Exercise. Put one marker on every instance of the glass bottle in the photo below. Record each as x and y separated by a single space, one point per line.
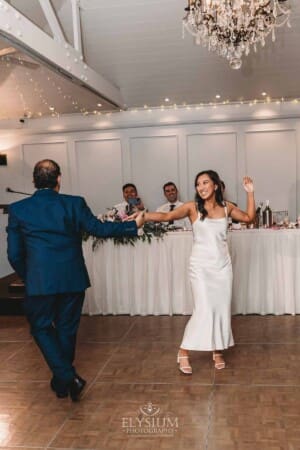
259 216
267 216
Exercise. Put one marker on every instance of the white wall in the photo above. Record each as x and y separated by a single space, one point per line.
96 162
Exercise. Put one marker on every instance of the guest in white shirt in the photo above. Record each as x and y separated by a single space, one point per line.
132 202
171 194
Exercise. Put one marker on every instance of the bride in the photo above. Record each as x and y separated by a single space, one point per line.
210 270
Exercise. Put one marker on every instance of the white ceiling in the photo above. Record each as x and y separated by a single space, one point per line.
137 45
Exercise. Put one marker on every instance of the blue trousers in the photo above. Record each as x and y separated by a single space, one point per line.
54 321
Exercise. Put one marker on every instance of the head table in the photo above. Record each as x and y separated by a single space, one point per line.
153 278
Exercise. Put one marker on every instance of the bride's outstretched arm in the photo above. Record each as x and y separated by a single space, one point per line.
177 213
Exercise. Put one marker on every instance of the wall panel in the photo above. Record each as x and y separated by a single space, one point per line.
99 167
216 151
154 161
271 158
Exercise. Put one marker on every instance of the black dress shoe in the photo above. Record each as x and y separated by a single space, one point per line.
80 379
76 387
59 393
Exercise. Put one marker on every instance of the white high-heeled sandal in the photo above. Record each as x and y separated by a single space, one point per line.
187 370
219 365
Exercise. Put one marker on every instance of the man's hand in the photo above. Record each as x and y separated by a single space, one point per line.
140 219
131 217
248 184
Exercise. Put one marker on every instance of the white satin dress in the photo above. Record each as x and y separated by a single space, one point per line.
209 327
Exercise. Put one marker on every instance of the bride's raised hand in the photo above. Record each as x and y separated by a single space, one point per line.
248 184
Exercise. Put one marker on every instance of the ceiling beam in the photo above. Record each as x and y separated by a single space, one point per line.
59 56
52 20
76 25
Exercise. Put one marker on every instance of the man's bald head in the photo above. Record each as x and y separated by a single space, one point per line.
45 174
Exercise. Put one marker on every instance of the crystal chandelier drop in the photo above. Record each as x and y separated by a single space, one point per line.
231 27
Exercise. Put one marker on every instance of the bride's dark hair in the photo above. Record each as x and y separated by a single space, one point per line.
219 195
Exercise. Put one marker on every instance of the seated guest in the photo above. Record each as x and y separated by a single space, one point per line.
132 202
171 194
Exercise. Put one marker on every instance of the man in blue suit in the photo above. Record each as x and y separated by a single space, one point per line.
45 249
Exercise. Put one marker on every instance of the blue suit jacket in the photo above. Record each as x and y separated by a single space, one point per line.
45 243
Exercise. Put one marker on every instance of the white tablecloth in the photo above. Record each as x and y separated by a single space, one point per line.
153 278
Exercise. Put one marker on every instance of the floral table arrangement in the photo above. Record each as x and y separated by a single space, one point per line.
145 234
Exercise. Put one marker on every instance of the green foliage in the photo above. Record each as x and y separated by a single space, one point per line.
150 230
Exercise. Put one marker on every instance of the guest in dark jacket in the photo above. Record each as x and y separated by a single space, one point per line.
45 249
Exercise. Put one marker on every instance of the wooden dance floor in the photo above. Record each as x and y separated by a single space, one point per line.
137 399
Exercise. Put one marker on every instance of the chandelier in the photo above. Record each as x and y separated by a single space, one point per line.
231 27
